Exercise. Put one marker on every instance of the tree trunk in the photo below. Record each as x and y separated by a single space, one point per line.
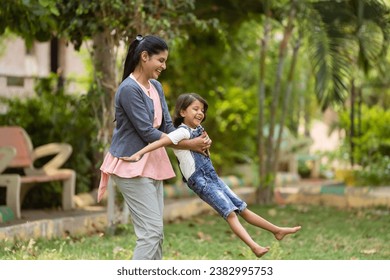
261 151
352 127
267 168
104 62
286 98
105 81
270 167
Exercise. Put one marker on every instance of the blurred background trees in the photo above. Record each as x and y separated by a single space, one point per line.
264 67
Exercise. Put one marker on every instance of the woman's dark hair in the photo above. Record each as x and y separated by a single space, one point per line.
183 101
150 43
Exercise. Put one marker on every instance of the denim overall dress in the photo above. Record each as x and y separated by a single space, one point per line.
209 187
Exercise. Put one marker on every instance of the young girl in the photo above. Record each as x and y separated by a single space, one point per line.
200 175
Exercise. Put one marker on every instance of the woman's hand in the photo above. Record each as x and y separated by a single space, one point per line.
202 144
134 158
208 142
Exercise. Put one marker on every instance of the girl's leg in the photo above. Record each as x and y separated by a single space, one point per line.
256 220
144 197
240 231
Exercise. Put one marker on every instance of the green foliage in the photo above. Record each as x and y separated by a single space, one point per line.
373 137
347 38
220 62
372 144
377 173
54 116
228 79
304 169
123 19
228 82
233 126
80 20
31 19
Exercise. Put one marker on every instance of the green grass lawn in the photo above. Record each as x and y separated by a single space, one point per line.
327 234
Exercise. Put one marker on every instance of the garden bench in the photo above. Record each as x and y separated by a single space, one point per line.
17 153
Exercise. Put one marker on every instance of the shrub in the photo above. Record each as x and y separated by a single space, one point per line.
372 145
375 174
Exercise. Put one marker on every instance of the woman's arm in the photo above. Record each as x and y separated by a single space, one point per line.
199 144
162 142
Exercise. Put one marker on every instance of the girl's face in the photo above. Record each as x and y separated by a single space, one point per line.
154 64
194 114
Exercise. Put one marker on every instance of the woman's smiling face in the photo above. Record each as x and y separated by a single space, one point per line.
155 64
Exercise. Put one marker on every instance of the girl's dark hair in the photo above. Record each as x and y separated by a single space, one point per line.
150 43
183 101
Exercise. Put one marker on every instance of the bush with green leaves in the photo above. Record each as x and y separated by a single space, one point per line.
371 145
375 174
51 115
232 124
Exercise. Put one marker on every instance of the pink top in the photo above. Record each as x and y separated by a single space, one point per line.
155 165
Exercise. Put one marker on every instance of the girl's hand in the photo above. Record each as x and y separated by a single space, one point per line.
133 158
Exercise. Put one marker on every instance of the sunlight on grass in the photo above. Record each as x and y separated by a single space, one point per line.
327 234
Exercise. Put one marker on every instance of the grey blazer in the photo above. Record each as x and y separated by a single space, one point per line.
134 114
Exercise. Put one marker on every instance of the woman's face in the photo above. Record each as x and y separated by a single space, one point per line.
155 64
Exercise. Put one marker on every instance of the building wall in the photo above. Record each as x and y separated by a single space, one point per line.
20 66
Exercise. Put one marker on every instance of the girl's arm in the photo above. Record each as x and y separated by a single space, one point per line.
162 142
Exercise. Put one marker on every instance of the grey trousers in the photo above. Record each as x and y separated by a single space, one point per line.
145 199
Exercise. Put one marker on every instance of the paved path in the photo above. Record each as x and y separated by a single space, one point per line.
55 223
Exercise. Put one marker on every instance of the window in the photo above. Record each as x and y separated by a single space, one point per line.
13 81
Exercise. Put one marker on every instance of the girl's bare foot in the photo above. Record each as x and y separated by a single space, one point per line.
260 251
279 235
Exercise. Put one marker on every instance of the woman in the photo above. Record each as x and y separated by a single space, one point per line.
142 117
